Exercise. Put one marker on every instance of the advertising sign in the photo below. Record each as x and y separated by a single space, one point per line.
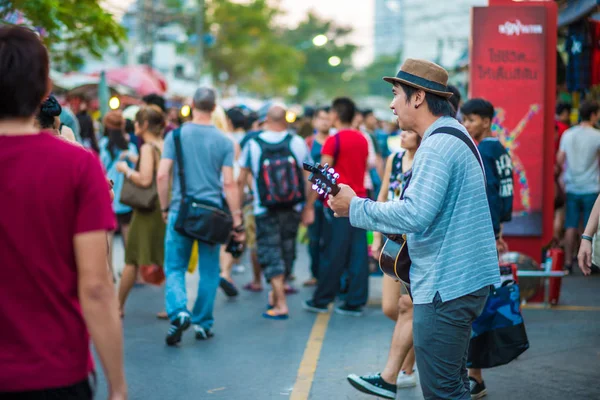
508 68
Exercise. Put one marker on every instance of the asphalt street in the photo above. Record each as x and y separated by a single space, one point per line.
254 358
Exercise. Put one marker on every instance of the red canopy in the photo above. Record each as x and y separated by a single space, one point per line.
141 78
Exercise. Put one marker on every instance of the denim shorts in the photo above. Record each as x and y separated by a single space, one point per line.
579 207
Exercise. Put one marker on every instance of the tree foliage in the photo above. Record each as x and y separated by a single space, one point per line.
68 27
370 77
249 52
317 77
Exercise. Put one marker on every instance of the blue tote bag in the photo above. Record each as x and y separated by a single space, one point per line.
498 335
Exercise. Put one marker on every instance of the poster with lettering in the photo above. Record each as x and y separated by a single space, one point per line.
507 68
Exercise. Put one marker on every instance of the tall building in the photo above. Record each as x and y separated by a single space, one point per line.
388 27
439 30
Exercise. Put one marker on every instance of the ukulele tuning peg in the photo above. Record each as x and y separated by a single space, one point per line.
314 187
323 185
326 167
318 165
336 175
330 170
334 181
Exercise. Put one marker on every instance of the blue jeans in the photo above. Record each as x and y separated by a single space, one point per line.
178 249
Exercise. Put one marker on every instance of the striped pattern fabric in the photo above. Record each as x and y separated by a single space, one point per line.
446 217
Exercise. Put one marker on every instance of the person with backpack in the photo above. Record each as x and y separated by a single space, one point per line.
477 117
274 158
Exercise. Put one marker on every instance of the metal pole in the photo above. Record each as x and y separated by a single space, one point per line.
200 38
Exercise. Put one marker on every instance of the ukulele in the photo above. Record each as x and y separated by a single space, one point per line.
393 260
323 178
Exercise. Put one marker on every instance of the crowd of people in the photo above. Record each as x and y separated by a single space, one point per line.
200 192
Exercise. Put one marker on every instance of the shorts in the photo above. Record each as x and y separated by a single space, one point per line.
250 225
276 233
578 209
124 219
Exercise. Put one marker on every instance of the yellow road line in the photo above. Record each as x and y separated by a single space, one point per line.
310 359
560 308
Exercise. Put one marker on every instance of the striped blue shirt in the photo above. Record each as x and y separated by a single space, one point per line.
446 217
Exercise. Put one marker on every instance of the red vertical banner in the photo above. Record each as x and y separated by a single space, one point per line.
508 68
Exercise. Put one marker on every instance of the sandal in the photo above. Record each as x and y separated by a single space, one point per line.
252 287
162 315
270 314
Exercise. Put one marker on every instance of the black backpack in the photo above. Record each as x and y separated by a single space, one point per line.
280 182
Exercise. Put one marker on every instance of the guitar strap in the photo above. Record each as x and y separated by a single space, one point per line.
457 133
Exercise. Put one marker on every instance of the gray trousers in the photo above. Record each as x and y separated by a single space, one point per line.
442 331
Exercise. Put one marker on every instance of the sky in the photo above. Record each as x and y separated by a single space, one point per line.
359 16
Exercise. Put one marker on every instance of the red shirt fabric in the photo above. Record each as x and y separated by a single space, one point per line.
51 190
351 160
561 127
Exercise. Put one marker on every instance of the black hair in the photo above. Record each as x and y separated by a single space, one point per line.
562 107
116 141
480 107
310 112
24 69
129 126
455 99
325 109
49 110
438 105
586 110
237 118
251 119
155 99
367 112
345 108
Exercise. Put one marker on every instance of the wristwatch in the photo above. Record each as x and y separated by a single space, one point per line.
588 238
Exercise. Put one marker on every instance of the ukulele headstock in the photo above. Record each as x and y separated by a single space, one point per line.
323 178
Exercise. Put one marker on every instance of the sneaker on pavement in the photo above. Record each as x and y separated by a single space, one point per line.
406 381
178 325
203 333
478 390
310 305
354 311
228 287
373 384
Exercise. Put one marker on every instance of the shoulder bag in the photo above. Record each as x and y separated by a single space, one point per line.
199 219
139 197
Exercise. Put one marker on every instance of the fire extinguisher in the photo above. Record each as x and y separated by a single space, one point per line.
557 255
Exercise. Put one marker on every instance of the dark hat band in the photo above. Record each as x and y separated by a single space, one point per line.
417 80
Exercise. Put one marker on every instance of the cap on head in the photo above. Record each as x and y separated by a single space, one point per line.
205 99
424 75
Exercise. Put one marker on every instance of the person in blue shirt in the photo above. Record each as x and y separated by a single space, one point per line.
477 118
477 115
115 147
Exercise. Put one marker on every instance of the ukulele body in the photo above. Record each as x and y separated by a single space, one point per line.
394 260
